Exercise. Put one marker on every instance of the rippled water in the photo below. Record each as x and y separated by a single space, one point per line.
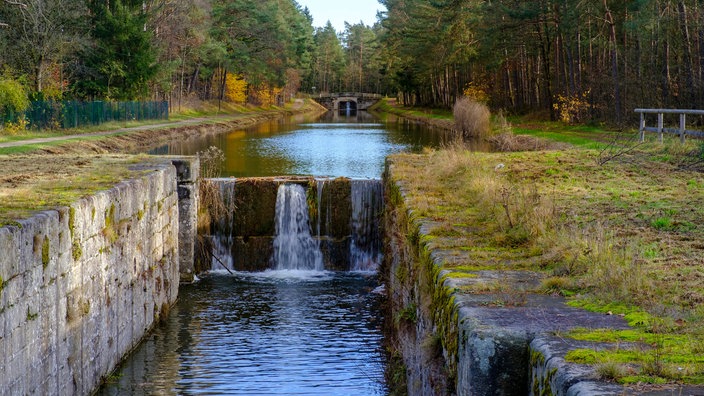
278 332
271 333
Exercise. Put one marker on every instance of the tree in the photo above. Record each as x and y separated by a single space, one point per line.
121 61
43 33
328 60
265 41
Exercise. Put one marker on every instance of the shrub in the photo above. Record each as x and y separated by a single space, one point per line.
13 100
471 118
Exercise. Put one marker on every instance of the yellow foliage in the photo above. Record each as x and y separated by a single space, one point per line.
15 128
236 88
572 108
477 92
265 95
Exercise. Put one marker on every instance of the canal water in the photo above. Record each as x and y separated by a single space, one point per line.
285 331
330 145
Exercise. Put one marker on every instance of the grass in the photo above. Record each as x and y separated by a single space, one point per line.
389 106
34 183
225 112
627 231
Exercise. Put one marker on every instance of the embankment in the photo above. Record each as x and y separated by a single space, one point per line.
467 303
81 285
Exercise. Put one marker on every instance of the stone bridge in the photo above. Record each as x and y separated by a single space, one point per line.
347 100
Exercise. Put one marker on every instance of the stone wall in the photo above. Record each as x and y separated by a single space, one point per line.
80 286
243 240
450 340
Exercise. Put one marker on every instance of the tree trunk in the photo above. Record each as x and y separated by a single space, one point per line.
689 88
614 62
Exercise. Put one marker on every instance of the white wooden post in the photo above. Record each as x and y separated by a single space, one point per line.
660 123
642 127
683 120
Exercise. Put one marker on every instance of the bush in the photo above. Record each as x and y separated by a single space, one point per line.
13 101
471 118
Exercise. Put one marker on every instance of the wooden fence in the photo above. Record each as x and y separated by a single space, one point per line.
660 129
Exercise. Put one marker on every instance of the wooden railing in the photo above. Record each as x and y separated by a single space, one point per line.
660 129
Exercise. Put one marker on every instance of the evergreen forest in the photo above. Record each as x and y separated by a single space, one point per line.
577 60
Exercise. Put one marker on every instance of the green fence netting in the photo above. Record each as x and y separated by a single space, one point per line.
73 114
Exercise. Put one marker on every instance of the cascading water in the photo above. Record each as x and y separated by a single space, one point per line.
223 239
294 247
365 244
323 211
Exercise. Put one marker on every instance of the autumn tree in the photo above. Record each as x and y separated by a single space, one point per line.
39 35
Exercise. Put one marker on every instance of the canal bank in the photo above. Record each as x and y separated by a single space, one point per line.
477 277
81 285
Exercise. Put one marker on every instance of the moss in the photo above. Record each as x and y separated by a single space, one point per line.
408 314
459 275
30 315
110 216
140 215
76 250
71 220
582 356
11 223
537 358
45 252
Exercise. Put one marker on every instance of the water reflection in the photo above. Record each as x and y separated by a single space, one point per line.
334 144
263 334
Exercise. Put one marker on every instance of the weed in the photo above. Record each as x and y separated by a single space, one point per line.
611 371
472 118
408 314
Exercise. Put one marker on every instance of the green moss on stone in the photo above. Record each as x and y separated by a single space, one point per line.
76 250
71 220
45 252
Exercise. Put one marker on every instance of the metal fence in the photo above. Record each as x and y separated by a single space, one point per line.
660 129
73 114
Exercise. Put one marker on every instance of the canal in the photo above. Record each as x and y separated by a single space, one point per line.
283 332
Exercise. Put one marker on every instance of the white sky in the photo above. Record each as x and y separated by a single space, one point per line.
339 11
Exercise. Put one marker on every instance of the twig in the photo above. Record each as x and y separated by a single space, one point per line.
223 265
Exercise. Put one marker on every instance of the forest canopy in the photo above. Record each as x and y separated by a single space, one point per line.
567 59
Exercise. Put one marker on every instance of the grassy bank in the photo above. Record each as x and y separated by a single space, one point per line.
623 238
203 115
48 174
33 183
611 224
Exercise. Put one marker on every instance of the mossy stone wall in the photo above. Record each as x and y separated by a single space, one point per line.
81 285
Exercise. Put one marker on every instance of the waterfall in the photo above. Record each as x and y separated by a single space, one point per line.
365 245
294 247
320 185
223 238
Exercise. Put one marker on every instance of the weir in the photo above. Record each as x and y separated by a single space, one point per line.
294 223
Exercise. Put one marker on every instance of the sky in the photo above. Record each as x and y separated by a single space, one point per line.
339 11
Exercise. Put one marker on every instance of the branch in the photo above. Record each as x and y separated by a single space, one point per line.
17 3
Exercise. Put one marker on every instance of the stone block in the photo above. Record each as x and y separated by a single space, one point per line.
250 254
187 169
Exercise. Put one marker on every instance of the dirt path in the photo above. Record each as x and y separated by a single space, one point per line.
169 124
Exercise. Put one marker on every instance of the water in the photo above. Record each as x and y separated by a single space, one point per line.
367 205
331 145
270 333
299 330
294 247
